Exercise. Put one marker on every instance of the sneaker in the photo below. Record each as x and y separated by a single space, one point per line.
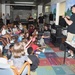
73 57
43 50
38 52
68 55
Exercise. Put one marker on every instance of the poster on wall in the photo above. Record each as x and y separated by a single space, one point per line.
53 10
69 3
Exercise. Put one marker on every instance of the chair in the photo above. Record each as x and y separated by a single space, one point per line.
16 72
5 67
6 71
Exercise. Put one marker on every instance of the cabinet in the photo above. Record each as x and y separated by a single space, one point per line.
57 40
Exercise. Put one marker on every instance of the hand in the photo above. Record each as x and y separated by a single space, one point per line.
63 16
68 17
42 37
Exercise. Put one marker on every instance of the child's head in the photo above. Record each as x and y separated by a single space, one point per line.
30 50
18 50
11 47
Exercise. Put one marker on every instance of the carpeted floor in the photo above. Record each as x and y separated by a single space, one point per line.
51 63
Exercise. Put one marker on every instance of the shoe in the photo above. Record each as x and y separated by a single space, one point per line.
43 50
73 57
68 55
38 52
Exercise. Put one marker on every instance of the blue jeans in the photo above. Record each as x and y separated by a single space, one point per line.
6 71
47 40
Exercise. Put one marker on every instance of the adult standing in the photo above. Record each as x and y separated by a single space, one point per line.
17 18
51 18
3 18
71 22
7 19
41 22
30 20
71 27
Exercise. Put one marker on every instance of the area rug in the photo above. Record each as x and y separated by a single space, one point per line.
72 67
62 70
54 61
45 70
44 62
51 54
51 63
56 50
41 55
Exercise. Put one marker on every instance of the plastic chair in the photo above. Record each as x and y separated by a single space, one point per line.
16 72
6 71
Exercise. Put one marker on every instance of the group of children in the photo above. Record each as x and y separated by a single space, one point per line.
21 46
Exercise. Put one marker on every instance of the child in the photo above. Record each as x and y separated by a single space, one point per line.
37 47
9 53
33 58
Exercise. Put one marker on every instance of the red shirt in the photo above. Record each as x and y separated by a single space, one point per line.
34 46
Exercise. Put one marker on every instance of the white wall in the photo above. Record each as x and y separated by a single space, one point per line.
62 8
7 9
3 8
40 9
56 1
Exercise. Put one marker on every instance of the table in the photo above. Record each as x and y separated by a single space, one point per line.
69 45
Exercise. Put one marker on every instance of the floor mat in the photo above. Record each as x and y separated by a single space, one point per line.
44 62
48 50
51 54
41 55
51 63
54 61
62 70
45 70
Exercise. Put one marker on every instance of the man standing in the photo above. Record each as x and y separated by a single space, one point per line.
41 22
3 18
30 21
71 22
7 19
51 18
71 27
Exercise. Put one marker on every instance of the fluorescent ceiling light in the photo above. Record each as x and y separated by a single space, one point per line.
21 4
25 2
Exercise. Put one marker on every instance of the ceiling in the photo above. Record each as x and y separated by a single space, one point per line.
36 2
25 6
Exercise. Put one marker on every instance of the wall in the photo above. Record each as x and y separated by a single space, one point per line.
40 9
3 8
47 12
7 9
56 1
34 13
0 10
24 14
62 8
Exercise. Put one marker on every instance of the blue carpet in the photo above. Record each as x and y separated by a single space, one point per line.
41 55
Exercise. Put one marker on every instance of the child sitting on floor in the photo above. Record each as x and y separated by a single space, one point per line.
33 58
37 47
